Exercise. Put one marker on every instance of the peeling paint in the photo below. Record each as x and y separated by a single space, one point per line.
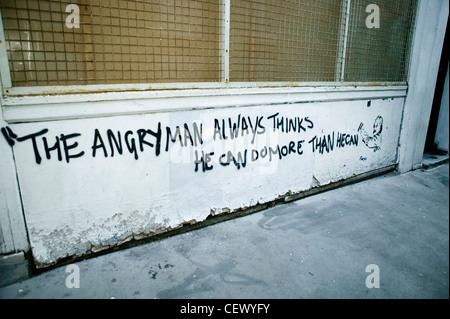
104 201
315 182
109 232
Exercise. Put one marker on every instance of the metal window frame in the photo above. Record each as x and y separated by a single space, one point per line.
191 88
26 109
5 73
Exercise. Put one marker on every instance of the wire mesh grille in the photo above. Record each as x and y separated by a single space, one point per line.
118 41
161 41
277 40
379 54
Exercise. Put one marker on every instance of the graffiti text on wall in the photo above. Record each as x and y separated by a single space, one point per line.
111 143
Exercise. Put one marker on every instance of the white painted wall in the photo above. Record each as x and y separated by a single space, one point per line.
95 201
13 235
431 22
88 203
442 128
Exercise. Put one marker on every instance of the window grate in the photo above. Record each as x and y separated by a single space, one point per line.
119 41
192 41
277 40
379 54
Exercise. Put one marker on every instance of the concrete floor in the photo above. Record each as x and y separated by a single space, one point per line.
316 247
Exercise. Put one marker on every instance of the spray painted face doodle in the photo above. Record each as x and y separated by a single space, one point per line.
372 141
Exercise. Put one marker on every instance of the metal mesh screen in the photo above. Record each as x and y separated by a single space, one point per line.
118 41
279 40
161 41
379 54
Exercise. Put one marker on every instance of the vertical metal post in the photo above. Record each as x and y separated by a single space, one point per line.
5 75
225 41
344 46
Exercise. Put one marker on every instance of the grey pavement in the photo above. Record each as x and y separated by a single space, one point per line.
316 247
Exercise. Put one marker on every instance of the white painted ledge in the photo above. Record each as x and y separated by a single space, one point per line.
23 109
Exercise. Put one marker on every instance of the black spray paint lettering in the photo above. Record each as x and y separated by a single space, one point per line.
293 147
266 151
234 129
286 124
9 135
343 139
204 160
33 136
131 144
65 139
194 139
111 143
55 146
239 160
326 143
115 142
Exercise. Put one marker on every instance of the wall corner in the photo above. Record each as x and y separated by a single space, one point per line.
426 48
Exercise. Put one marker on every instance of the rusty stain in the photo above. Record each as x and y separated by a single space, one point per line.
150 88
103 90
